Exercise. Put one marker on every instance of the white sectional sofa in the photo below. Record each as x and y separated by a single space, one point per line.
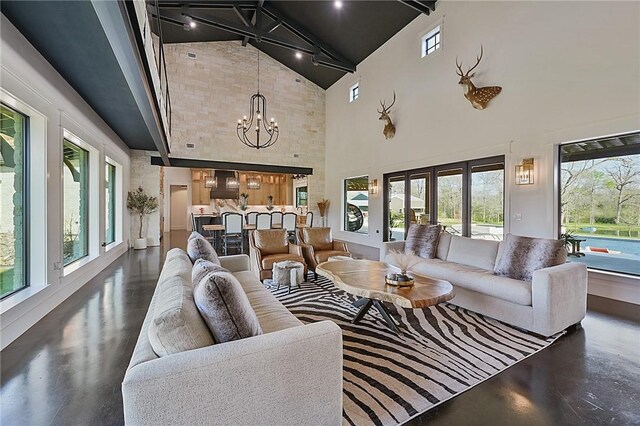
291 374
555 299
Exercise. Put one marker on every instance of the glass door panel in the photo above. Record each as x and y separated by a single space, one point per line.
449 202
487 202
396 208
419 202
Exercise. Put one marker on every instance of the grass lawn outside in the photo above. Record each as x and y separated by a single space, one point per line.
6 280
604 230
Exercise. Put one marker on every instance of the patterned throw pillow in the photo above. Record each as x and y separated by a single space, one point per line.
422 240
200 248
225 308
521 256
195 234
202 268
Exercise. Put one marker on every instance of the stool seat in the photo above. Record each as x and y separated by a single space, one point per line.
288 273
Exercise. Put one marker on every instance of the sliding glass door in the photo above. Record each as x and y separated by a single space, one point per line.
467 198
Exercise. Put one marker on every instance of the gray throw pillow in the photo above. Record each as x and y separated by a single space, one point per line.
225 308
204 267
195 234
422 240
521 256
199 248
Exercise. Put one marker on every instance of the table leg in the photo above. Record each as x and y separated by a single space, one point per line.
386 315
363 310
360 302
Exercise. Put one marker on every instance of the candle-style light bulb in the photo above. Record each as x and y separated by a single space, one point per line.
244 118
273 119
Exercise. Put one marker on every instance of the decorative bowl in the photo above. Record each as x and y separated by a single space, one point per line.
399 280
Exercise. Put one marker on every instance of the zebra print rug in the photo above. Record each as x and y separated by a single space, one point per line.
388 379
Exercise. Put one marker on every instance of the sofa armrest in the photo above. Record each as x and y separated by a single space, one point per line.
295 249
309 254
292 376
236 262
392 245
559 297
340 246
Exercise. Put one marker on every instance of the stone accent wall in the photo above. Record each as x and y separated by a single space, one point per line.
210 93
148 177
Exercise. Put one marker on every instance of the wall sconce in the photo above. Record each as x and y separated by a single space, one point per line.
524 172
373 187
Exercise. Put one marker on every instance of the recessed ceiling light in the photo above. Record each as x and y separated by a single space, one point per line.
298 55
337 4
192 24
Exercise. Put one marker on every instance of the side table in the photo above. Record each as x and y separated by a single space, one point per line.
288 273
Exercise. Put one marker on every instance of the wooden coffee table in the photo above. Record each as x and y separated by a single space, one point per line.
365 278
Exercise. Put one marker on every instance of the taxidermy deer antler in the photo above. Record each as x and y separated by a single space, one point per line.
389 130
478 96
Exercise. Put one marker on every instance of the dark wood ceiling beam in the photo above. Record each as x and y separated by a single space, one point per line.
420 6
261 35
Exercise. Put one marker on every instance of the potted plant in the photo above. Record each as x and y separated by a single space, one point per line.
243 201
140 203
323 205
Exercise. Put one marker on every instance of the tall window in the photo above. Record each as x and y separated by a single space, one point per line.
600 202
110 202
76 202
356 205
467 198
13 208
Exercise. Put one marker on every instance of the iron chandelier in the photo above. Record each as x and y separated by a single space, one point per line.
258 112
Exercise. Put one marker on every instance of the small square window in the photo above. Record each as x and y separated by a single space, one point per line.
354 92
431 41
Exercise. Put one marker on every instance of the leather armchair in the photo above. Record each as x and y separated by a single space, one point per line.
318 246
268 246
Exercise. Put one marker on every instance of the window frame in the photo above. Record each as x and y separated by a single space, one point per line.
112 186
435 31
466 167
73 140
345 203
354 88
26 200
625 151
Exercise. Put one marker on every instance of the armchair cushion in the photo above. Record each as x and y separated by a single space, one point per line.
319 238
324 255
271 241
268 261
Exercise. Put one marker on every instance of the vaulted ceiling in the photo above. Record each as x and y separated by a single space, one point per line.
317 39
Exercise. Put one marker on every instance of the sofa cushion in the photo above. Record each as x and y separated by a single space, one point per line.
521 256
422 240
271 241
324 255
268 261
225 307
472 252
476 279
176 263
319 238
200 248
444 241
176 325
195 234
272 314
202 268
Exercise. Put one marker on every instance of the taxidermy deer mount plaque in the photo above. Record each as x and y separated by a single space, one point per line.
389 130
478 96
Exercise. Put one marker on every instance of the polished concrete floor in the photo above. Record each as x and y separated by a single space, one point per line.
67 369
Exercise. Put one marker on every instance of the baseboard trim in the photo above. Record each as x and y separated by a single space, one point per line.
616 308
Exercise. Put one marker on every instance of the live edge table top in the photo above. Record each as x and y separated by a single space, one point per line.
365 278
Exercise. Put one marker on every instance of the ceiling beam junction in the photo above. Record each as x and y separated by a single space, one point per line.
424 7
320 53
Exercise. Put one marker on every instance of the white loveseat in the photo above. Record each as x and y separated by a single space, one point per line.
291 374
555 299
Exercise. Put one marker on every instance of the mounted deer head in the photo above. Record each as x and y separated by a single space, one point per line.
389 130
478 96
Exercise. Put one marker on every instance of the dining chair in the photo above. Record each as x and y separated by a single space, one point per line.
289 221
251 218
276 219
263 221
309 218
194 225
233 236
